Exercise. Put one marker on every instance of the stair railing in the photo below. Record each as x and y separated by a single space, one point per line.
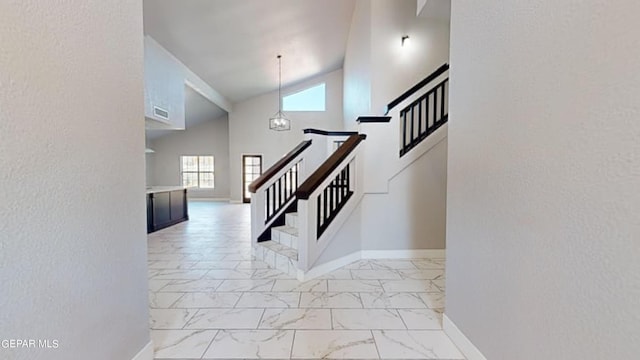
423 115
274 191
327 197
415 118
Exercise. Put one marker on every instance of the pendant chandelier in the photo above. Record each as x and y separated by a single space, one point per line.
278 121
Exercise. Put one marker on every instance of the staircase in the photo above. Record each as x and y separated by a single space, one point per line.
299 204
281 251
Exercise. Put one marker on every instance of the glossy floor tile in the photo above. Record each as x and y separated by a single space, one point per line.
209 299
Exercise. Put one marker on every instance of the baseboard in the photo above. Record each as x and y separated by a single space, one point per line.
329 266
368 254
465 345
207 199
146 353
235 202
403 254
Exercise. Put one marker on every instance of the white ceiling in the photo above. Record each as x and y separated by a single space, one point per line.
197 110
233 44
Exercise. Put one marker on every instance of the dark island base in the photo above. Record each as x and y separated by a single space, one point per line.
165 209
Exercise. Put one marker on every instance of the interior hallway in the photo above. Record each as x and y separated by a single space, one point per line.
209 300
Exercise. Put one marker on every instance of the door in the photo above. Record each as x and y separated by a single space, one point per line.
251 170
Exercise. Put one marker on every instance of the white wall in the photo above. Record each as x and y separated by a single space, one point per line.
208 138
357 66
396 68
412 215
165 78
544 169
377 68
163 85
149 163
72 224
348 239
249 126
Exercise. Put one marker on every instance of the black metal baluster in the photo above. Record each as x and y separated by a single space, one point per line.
426 112
435 106
442 101
290 172
279 195
267 209
348 177
419 119
318 212
341 186
324 208
411 128
403 114
331 193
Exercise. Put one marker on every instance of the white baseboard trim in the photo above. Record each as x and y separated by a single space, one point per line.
368 254
146 353
207 199
465 345
235 202
403 254
329 266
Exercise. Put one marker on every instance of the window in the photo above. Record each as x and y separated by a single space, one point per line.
197 171
251 170
310 99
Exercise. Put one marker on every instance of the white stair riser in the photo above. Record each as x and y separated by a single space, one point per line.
284 238
291 219
276 261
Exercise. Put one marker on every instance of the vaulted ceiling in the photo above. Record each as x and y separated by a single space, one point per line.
233 44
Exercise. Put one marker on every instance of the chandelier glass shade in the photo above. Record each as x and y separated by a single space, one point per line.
279 122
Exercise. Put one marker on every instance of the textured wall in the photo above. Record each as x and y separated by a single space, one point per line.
412 214
543 233
72 220
357 66
377 69
395 68
163 84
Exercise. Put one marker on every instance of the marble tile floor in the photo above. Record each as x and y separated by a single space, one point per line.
209 300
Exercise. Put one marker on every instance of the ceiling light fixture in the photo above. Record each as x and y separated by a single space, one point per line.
279 122
405 40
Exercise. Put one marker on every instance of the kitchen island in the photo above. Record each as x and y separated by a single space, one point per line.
166 206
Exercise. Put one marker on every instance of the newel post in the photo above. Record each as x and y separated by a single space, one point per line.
258 214
307 231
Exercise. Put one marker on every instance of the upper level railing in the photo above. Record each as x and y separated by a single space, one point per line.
424 82
424 116
426 113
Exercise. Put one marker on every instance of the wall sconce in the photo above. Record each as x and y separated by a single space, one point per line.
405 40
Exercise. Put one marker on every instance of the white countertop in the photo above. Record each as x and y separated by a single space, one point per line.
157 189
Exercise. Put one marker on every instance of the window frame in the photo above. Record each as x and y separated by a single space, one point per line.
198 172
306 88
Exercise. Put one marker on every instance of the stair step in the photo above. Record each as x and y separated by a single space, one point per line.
291 219
285 235
278 256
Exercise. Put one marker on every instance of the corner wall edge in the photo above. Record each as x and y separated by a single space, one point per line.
468 349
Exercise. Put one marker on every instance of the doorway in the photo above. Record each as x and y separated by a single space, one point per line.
251 170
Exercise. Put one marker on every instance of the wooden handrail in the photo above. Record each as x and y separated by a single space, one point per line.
329 133
314 180
373 119
273 170
439 71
